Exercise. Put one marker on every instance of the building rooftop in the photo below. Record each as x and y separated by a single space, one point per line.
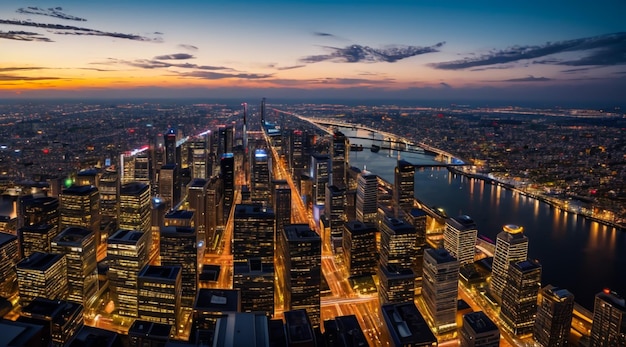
463 222
125 236
397 272
406 325
558 293
357 227
179 214
399 226
177 230
160 272
79 190
39 261
51 310
479 322
527 265
252 210
150 329
5 238
300 232
133 188
222 300
209 272
94 337
441 255
242 329
418 212
198 183
17 334
72 235
298 327
612 298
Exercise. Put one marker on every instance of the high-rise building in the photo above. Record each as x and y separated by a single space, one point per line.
511 246
170 147
87 177
42 274
79 247
227 174
214 207
319 173
281 198
143 333
209 306
396 284
158 298
253 233
36 238
367 197
338 158
198 151
38 210
60 319
519 298
136 210
169 185
255 280
226 137
95 337
109 188
397 242
128 254
406 325
344 331
261 168
197 198
459 238
479 331
334 210
403 186
554 317
302 251
440 288
609 320
418 218
178 248
80 207
9 256
228 333
359 248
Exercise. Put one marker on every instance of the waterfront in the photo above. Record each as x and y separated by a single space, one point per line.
576 253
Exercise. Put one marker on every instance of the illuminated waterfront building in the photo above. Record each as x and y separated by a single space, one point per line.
109 188
169 185
479 331
80 207
459 238
440 288
334 210
9 257
404 186
281 198
511 246
359 248
42 275
61 319
178 248
367 197
554 317
406 325
36 238
396 284
261 168
128 254
158 298
302 250
143 333
397 242
79 247
338 160
609 320
519 298
320 174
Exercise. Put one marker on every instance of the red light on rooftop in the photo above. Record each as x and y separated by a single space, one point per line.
46 151
606 291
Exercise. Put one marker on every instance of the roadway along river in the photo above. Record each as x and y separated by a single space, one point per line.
575 253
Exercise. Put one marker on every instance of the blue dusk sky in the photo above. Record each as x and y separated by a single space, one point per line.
544 51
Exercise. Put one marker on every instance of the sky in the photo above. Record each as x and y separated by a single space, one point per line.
545 51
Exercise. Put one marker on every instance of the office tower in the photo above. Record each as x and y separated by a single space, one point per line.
396 284
334 211
261 176
228 332
136 210
214 207
353 177
406 325
179 218
554 317
128 254
169 185
253 233
87 177
36 238
479 331
197 198
42 274
281 198
79 247
227 174
158 298
170 147
255 280
359 248
297 154
299 329
319 173
403 186
38 210
199 157
80 207
417 217
367 197
609 323
511 246
225 140
338 158
344 331
459 238
397 242
149 334
440 288
95 337
9 256
109 187
302 251
136 166
178 247
519 297
209 306
60 319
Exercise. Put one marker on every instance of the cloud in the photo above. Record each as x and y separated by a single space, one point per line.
570 71
445 85
317 33
209 75
290 67
526 79
175 56
20 68
23 36
358 53
158 64
72 30
606 50
188 47
56 12
24 78
502 67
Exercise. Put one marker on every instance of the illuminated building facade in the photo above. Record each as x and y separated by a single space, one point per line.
227 174
359 248
338 158
459 238
135 209
128 254
261 169
334 210
320 175
214 207
511 246
36 238
143 333
171 156
367 197
109 188
440 288
281 197
397 242
479 331
199 157
302 252
61 319
609 320
197 198
253 233
255 280
9 257
158 298
418 218
406 325
178 248
396 284
403 186
80 207
519 298
42 275
79 247
169 185
38 210
554 317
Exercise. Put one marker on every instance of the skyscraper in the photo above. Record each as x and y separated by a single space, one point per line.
440 288
261 176
334 210
367 197
554 317
459 238
302 251
197 198
255 280
320 174
36 238
136 211
511 246
42 274
359 248
417 217
38 210
199 157
479 331
397 242
170 147
281 202
61 319
169 185
227 174
178 248
519 298
609 323
9 256
403 186
80 207
338 159
396 284
109 188
158 298
253 233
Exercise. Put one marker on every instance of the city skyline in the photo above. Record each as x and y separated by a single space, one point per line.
456 51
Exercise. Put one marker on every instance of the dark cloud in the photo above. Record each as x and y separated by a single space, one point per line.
570 71
56 12
24 78
527 79
72 30
175 56
607 49
208 75
23 36
502 67
317 33
188 47
158 64
20 68
281 68
358 53
445 85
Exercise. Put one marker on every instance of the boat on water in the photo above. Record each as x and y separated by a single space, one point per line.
357 148
375 148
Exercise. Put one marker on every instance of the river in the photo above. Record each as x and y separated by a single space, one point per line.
575 253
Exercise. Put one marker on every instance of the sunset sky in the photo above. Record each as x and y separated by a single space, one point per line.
453 50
